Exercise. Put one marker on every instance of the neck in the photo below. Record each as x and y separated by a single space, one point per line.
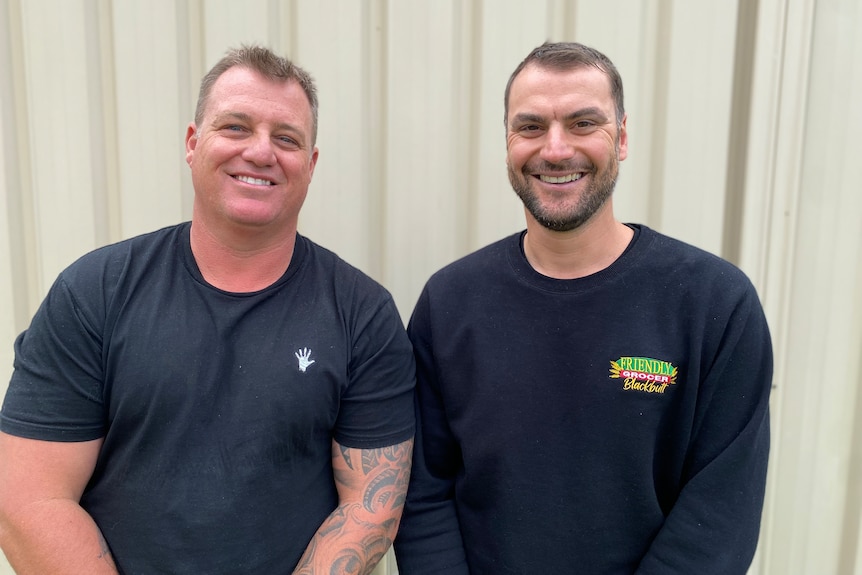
577 253
241 262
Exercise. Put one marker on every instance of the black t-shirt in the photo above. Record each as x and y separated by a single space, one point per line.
217 409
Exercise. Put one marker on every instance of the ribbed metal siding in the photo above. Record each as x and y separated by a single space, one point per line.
744 139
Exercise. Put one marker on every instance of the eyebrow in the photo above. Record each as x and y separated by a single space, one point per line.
592 111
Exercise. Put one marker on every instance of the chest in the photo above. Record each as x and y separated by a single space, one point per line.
193 359
586 369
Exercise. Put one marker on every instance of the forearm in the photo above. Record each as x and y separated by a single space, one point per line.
429 539
53 537
350 540
372 485
714 525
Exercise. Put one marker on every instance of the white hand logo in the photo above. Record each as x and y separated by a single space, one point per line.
303 356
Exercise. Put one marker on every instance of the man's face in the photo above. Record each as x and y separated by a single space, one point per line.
251 157
563 144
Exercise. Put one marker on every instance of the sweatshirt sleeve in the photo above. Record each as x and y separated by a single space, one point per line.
429 539
714 524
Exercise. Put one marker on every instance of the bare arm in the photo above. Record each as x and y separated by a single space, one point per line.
372 485
43 529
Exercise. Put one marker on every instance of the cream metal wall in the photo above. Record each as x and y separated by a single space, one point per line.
744 123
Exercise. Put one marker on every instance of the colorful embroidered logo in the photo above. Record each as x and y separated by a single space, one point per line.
644 374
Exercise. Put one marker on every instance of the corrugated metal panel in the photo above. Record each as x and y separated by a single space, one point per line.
743 122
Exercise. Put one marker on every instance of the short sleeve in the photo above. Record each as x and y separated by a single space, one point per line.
55 393
377 408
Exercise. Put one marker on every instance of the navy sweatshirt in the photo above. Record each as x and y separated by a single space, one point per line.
616 423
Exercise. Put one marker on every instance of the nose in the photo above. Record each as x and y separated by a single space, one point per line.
259 150
558 145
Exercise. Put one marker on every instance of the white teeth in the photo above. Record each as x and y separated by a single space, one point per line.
254 181
561 179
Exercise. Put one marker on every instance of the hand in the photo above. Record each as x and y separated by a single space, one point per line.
303 356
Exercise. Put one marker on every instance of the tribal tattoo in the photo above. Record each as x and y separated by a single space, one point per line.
372 487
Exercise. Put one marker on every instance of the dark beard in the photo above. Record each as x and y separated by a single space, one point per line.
594 197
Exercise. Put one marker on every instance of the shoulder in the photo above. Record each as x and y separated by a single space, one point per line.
461 290
329 271
478 266
137 251
101 276
688 264
704 289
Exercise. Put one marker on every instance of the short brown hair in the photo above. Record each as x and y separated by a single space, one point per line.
565 56
265 62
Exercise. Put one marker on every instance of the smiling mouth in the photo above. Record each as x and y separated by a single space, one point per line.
254 181
560 179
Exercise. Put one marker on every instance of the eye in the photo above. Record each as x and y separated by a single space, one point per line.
287 142
584 126
530 130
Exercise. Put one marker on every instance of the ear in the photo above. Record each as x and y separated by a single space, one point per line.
624 139
191 142
312 162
